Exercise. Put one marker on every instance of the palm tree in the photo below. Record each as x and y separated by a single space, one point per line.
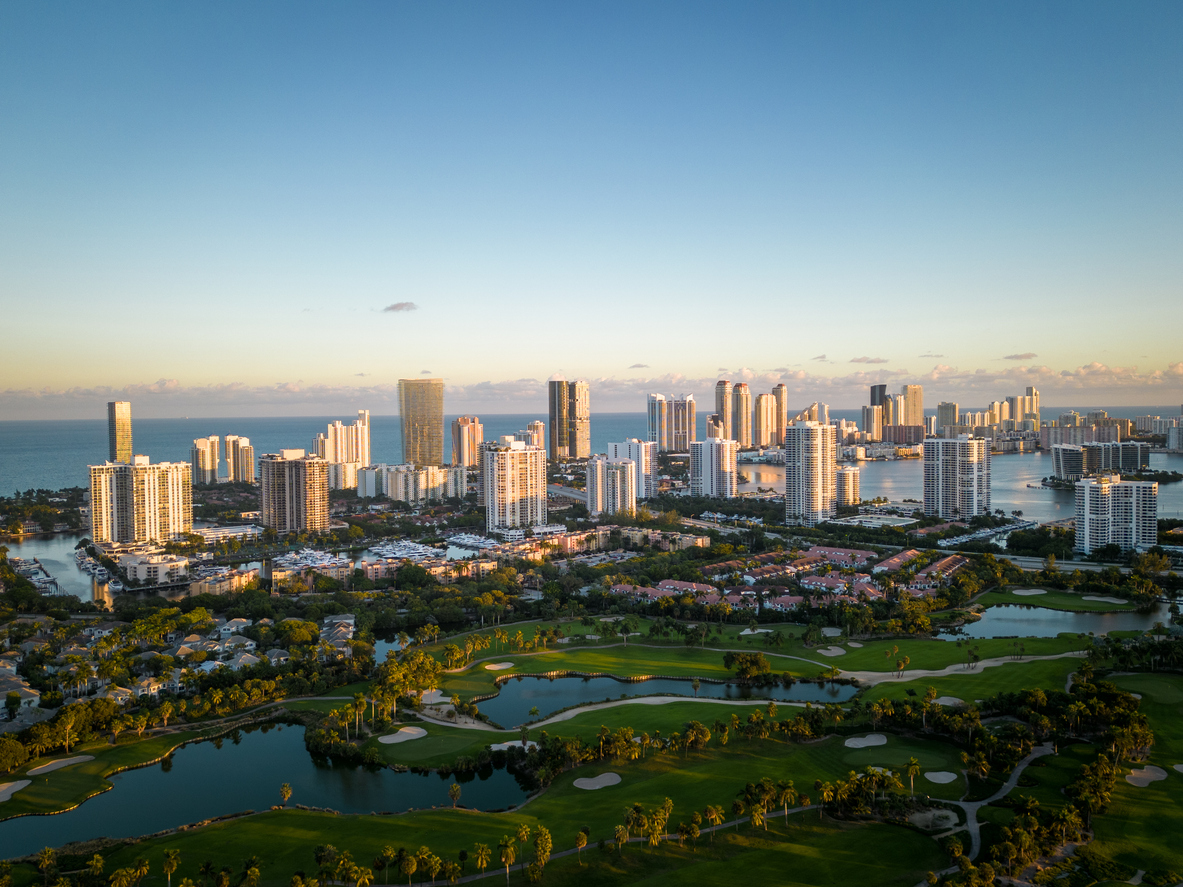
409 866
737 808
285 792
580 843
172 859
483 855
621 835
509 852
523 834
714 816
206 871
454 793
94 868
786 793
46 862
913 770
141 869
122 878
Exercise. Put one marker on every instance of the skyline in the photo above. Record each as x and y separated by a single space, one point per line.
975 199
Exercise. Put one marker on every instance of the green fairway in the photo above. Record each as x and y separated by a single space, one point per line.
1132 831
1052 599
980 683
64 788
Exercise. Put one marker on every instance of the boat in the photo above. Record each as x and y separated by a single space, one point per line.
101 574
115 585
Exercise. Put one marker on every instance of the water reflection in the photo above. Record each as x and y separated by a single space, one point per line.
1028 621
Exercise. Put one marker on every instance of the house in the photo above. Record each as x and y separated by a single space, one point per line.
242 660
29 697
938 573
278 657
678 587
832 584
842 557
234 626
148 688
103 629
896 561
118 695
784 602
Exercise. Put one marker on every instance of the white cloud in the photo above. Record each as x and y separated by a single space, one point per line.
1026 355
400 307
868 360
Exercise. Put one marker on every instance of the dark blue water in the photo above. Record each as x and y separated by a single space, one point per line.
512 705
1024 621
203 781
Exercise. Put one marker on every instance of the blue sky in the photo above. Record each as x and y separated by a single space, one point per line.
207 207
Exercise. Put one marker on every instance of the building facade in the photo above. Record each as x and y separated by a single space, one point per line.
764 421
611 486
136 501
872 424
658 413
780 395
847 485
1110 511
514 479
957 477
240 460
421 407
723 391
714 470
467 436
913 405
811 456
643 455
295 492
119 431
741 415
570 419
204 456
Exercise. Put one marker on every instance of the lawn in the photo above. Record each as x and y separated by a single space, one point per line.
1052 600
1132 832
980 683
65 788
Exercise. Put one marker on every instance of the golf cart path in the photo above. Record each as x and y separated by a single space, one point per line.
871 678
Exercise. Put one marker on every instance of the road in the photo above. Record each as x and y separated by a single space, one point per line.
568 492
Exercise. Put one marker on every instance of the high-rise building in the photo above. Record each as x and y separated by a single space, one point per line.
611 486
811 455
204 456
947 414
560 423
413 484
714 468
683 423
764 421
467 436
345 443
715 428
741 414
913 405
780 394
723 405
873 422
643 455
878 395
119 430
1112 511
421 406
240 460
514 479
295 492
847 485
957 477
579 420
136 501
658 410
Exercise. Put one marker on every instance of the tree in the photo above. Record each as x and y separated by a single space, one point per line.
621 835
542 846
714 816
285 792
94 868
746 665
12 704
47 862
172 859
580 843
483 856
737 808
409 866
454 793
141 869
509 852
913 770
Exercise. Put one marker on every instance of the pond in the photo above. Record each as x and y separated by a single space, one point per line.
243 771
1028 621
512 705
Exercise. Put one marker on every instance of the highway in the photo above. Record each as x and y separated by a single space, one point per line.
567 492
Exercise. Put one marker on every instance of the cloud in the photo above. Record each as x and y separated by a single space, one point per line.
1026 355
400 306
868 360
932 356
425 372
819 357
362 375
723 369
639 366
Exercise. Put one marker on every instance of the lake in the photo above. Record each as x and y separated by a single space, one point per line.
1023 620
243 771
512 705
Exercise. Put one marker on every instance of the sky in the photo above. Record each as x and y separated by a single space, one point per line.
283 208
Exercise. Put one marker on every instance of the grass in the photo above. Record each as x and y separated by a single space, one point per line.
1132 832
65 788
1051 674
1052 600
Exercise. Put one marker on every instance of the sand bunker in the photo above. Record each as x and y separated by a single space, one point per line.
932 820
1146 775
831 651
8 789
506 746
431 697
1179 768
602 781
1104 600
499 666
866 741
405 734
58 764
1136 695
1029 592
757 631
831 632
853 644
940 777
949 700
